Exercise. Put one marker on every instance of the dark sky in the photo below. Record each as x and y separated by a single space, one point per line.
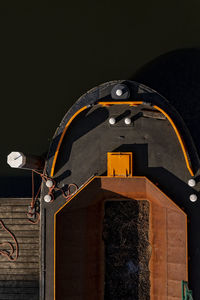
50 56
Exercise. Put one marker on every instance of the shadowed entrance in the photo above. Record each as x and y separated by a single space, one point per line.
80 261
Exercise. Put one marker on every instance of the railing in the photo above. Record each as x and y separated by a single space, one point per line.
186 293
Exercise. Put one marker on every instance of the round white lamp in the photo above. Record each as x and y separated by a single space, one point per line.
119 92
49 183
191 182
47 198
193 198
127 121
112 121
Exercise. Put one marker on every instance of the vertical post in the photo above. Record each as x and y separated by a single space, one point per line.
182 288
186 293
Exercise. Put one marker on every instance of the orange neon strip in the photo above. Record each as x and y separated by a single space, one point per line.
169 119
179 138
119 102
61 139
73 117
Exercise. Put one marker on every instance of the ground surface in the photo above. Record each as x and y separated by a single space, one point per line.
125 234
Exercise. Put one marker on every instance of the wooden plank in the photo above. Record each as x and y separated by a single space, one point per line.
13 277
21 240
18 265
15 215
14 221
19 283
19 297
18 290
14 208
23 246
15 201
28 253
22 227
20 233
28 271
22 258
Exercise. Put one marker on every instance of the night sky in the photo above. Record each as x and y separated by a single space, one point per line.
51 56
